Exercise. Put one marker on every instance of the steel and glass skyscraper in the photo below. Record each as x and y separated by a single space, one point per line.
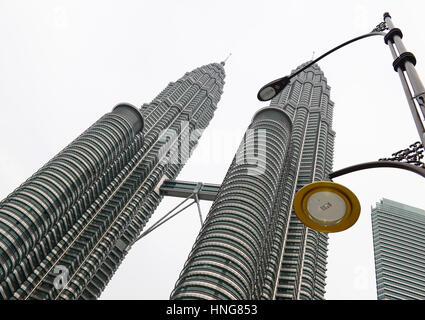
300 272
399 246
65 231
252 245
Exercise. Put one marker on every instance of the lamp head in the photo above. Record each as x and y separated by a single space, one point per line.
272 89
326 206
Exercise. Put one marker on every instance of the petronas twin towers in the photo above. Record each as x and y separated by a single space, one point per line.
67 228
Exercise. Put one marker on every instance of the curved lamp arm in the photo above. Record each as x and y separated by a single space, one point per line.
279 84
378 164
370 34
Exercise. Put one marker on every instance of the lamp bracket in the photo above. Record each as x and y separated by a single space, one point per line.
413 155
391 34
380 27
401 60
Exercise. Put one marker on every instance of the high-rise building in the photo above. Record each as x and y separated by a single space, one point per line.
65 231
252 245
399 246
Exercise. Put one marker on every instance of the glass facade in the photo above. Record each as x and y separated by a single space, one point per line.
79 214
252 246
399 246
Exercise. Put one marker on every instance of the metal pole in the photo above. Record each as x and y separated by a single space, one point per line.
196 197
405 61
199 209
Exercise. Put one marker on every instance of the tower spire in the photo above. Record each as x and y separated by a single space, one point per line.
224 61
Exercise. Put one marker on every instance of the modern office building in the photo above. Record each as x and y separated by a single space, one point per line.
399 245
65 231
252 245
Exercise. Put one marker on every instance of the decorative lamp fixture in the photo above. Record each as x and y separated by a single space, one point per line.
326 206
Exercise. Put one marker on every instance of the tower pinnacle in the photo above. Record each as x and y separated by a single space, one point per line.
224 62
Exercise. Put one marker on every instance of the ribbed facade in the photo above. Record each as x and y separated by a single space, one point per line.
227 261
399 246
297 267
252 246
84 208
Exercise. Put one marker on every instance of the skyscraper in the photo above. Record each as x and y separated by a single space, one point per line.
399 246
65 231
252 245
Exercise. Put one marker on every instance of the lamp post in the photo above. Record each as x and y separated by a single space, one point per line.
326 206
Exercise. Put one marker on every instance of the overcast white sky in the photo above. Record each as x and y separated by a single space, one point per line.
63 64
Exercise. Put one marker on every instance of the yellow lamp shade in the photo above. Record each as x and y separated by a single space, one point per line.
326 206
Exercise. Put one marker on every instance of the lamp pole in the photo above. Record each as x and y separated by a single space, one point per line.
404 64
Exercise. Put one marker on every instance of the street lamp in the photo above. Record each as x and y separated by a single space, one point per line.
326 206
272 89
